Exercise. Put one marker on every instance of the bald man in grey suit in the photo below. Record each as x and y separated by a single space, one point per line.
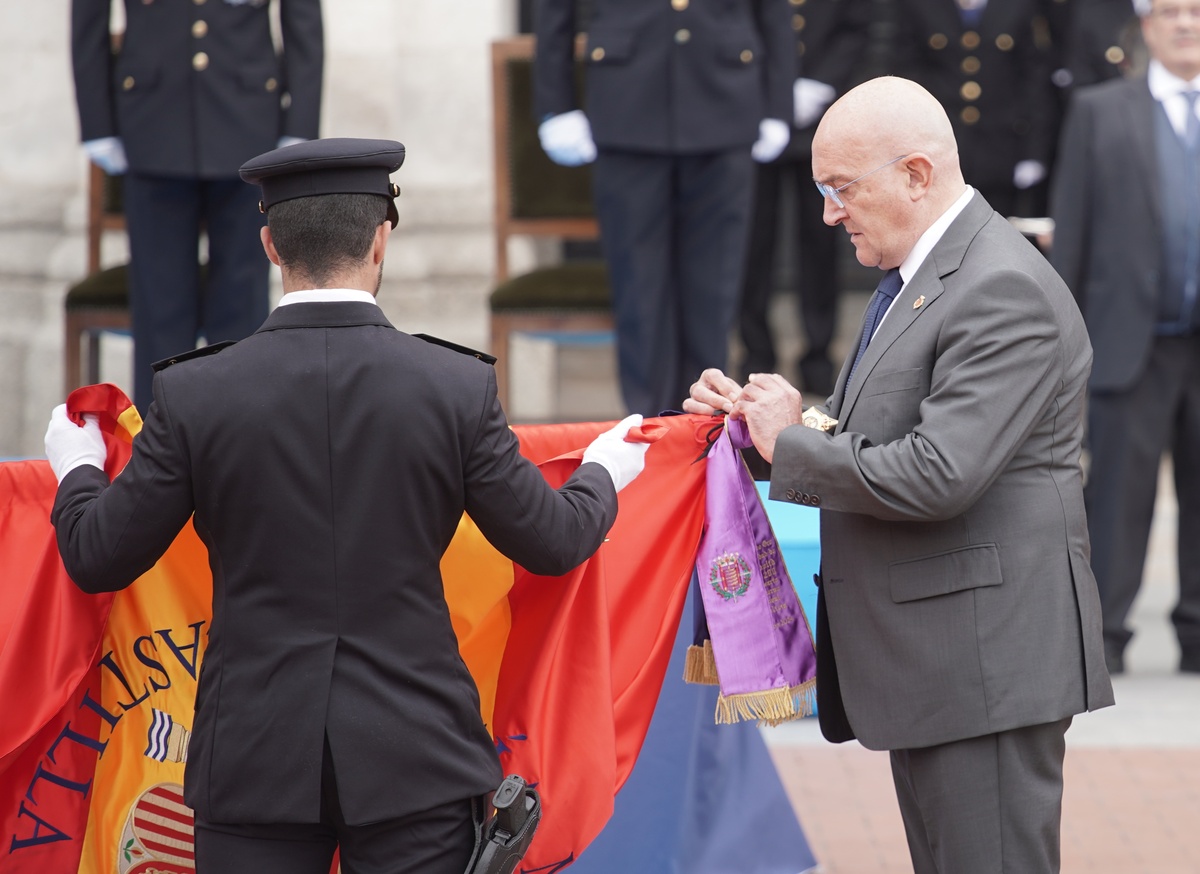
958 621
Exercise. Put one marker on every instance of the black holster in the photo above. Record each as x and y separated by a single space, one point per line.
504 827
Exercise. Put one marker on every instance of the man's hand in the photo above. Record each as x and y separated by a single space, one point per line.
810 99
713 392
623 460
107 153
567 138
1028 173
769 403
773 136
68 445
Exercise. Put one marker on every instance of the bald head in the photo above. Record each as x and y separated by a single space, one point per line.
887 152
890 116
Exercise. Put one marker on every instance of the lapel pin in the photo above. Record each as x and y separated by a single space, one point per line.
917 303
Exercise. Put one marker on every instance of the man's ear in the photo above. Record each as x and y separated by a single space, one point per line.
268 244
379 246
919 168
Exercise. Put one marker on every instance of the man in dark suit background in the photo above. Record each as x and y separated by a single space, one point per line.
1126 206
988 62
958 624
679 96
192 91
328 459
831 37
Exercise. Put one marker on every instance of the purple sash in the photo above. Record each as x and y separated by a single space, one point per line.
761 650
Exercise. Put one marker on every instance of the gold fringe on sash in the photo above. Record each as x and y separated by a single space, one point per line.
700 665
770 707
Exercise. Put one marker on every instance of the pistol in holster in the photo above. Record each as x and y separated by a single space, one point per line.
503 835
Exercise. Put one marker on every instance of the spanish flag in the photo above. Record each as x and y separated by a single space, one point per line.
98 690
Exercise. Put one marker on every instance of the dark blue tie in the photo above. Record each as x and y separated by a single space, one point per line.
888 288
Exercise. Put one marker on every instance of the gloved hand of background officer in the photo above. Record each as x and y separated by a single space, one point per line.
773 136
623 461
68 445
567 138
107 153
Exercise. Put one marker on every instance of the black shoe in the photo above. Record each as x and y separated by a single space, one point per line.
1189 661
1114 659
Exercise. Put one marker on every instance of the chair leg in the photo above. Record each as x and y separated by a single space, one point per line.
92 343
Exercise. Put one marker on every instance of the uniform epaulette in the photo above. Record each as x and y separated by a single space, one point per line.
211 349
465 350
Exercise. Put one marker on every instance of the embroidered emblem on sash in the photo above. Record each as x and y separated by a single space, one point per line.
729 576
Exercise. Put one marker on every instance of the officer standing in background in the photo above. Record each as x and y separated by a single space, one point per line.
193 91
681 98
831 37
989 64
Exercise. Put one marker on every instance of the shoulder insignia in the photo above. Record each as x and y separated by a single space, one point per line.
465 350
203 351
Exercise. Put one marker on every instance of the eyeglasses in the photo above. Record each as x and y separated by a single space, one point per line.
835 194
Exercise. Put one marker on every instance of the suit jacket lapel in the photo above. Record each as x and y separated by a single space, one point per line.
915 297
1139 123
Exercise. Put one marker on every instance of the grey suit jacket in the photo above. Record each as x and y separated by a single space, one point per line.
954 547
1107 206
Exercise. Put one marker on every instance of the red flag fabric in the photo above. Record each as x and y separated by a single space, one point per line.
569 668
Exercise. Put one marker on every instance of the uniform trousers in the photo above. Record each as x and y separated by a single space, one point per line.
171 304
435 841
985 805
815 254
1128 432
673 230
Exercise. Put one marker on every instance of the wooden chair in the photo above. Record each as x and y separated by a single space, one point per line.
100 301
536 197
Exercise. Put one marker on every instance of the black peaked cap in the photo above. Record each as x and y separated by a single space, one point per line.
338 165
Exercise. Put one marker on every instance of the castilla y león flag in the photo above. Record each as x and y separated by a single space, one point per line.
98 690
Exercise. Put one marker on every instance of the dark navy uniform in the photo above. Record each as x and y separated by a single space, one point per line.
326 462
993 78
831 37
675 91
196 89
1104 41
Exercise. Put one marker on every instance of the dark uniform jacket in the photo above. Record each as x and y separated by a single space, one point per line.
994 80
831 38
328 460
669 76
197 88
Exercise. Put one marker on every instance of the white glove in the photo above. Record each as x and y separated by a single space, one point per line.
1028 173
289 141
623 461
810 98
68 446
567 138
107 153
773 136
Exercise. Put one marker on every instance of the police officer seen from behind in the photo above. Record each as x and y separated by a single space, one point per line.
682 96
988 63
195 90
326 461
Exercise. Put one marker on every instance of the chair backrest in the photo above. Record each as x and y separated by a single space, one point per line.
105 212
534 196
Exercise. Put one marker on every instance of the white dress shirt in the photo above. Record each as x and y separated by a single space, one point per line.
328 295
